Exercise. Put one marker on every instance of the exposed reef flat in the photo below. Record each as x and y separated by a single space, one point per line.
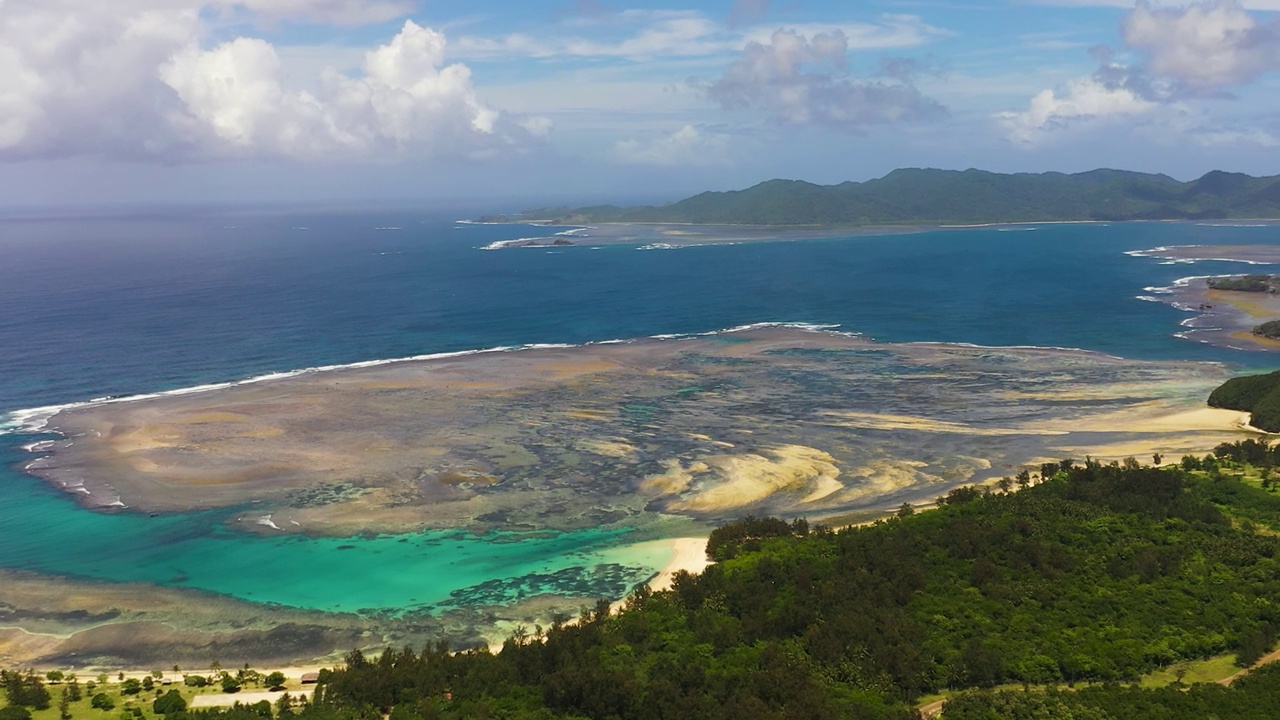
766 420
673 236
1255 254
1224 318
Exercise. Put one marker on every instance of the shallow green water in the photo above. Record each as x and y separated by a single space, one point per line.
42 530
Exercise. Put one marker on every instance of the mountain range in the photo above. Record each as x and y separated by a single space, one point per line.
941 197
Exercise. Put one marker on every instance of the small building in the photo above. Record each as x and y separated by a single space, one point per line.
310 678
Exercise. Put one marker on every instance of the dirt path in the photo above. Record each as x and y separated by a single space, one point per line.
1268 658
933 709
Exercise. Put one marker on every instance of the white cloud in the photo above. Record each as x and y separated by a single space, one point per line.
133 81
685 147
1204 46
1186 52
1085 99
802 80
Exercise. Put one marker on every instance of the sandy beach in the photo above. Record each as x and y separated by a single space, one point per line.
689 555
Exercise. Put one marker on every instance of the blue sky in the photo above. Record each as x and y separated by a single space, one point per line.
444 100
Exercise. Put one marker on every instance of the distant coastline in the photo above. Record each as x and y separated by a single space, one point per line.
677 235
939 198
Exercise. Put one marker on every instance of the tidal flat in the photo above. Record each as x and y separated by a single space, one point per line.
767 421
1224 318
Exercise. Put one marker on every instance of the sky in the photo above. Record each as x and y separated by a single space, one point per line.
577 101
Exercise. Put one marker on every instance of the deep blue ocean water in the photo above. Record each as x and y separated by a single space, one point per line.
120 306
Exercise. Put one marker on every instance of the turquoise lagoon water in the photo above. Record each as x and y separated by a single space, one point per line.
41 530
119 306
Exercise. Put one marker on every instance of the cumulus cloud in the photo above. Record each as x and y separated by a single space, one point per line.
1184 53
685 147
134 81
1085 99
1203 46
801 80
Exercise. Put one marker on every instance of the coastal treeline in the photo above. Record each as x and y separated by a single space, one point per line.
1245 283
1258 395
1092 575
1097 573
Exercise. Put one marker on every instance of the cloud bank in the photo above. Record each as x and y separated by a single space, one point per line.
1203 47
801 80
1200 50
133 81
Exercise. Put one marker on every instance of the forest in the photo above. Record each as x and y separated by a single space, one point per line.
1258 395
1083 576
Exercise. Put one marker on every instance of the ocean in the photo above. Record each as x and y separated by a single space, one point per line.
105 307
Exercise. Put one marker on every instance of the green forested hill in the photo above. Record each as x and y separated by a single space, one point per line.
930 197
1099 573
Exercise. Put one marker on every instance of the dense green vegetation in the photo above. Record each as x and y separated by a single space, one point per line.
1091 574
1100 573
1255 394
1244 283
1270 329
1254 697
919 196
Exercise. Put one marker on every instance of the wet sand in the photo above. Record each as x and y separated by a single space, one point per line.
769 420
687 555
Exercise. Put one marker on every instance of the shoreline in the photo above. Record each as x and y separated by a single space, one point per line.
35 420
689 554
1222 318
677 235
